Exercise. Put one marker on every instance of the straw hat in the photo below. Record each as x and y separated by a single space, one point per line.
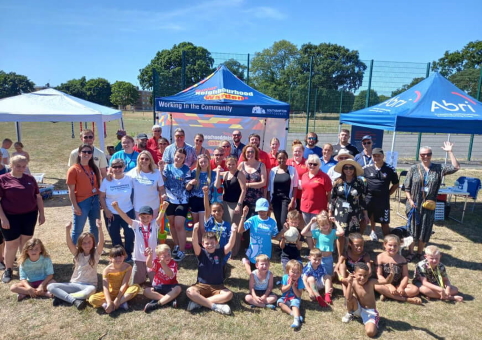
344 152
358 168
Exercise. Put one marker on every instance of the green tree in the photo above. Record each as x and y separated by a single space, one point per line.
238 69
12 84
467 80
168 63
98 90
383 98
469 57
361 98
124 93
74 87
405 87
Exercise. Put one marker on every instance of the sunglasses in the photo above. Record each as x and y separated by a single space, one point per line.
236 134
348 168
117 166
366 143
87 152
88 137
313 164
246 152
218 155
312 138
199 140
144 159
426 154
179 136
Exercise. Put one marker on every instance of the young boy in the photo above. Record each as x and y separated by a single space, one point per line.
360 297
262 229
291 250
209 290
145 236
315 278
291 288
432 279
165 287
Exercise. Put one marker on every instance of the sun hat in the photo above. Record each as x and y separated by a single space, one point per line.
344 152
377 151
358 168
262 204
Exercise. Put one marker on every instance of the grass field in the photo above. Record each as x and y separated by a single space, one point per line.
49 146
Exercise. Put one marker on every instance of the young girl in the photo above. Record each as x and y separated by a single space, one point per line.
36 271
83 282
354 254
290 250
399 289
115 283
291 289
165 287
19 151
202 176
261 285
320 228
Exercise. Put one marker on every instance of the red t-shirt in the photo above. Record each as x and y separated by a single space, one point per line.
314 196
19 195
214 166
301 169
153 154
82 181
272 160
152 144
160 278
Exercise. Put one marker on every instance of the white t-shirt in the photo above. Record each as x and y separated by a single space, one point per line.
139 243
146 186
83 271
99 158
5 154
118 190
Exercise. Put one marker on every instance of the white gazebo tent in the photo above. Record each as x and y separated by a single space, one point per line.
50 105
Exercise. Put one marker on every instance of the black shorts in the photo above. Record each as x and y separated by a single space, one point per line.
380 209
196 204
21 224
174 209
259 292
163 289
298 205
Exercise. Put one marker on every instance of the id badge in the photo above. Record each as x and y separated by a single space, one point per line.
94 190
346 205
425 189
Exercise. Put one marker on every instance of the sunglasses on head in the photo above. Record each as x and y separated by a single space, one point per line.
88 137
87 152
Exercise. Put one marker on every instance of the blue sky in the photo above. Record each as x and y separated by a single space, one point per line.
54 41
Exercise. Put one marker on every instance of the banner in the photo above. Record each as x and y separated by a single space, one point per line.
358 132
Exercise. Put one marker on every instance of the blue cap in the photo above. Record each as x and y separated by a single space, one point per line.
146 210
262 204
367 137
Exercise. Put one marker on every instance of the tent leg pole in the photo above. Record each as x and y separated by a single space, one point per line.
101 132
393 146
122 123
18 128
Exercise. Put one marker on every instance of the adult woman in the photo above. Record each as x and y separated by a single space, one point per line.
119 189
274 145
282 188
198 145
148 183
347 203
316 186
422 183
163 143
176 177
300 165
127 154
83 181
234 184
327 160
20 205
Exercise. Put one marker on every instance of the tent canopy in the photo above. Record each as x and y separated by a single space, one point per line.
222 93
433 105
50 105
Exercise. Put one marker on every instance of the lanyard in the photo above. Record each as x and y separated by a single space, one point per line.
91 179
146 234
365 160
347 192
438 276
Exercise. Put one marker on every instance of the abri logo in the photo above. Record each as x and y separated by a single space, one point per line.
397 102
451 106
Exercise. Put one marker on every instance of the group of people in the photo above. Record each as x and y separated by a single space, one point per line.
321 195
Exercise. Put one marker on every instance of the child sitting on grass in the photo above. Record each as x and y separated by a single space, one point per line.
115 283
431 277
292 288
360 296
315 278
261 285
165 287
209 290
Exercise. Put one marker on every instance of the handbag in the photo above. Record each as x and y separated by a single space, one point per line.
427 204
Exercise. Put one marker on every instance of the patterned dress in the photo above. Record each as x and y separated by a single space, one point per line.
347 204
417 179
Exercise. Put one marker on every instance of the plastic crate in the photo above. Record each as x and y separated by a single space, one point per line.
440 211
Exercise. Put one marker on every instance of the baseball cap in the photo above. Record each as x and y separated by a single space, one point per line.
262 204
142 136
366 137
146 210
377 151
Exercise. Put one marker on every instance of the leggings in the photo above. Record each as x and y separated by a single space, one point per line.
71 291
280 210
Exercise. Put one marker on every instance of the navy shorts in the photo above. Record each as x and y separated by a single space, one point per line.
163 289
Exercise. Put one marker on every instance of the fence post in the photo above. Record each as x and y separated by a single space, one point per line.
367 101
309 96
419 141
247 73
155 92
471 143
183 71
341 100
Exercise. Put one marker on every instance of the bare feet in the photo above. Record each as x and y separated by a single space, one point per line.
458 298
414 300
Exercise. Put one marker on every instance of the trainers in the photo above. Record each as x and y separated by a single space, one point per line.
179 256
150 306
296 323
124 306
192 306
270 306
2 265
347 318
20 297
7 275
221 308
174 303
175 250
373 236
57 302
80 304
104 305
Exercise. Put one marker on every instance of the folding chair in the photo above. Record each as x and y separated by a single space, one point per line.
398 194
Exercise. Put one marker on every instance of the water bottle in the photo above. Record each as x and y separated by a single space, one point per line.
466 186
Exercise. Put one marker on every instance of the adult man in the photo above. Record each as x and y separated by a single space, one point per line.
364 158
236 145
153 142
379 175
310 147
218 159
342 156
255 140
141 145
87 137
343 143
179 142
6 144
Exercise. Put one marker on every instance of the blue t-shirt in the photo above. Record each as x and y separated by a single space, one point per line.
363 159
317 273
316 150
261 233
211 267
130 160
197 190
222 230
325 166
175 183
290 294
324 242
170 151
36 271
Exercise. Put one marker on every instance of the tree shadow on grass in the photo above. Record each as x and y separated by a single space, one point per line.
452 261
390 326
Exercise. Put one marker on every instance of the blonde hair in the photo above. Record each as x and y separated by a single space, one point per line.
262 258
161 248
151 161
16 159
293 215
315 252
293 264
322 218
432 251
29 245
198 170
391 237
